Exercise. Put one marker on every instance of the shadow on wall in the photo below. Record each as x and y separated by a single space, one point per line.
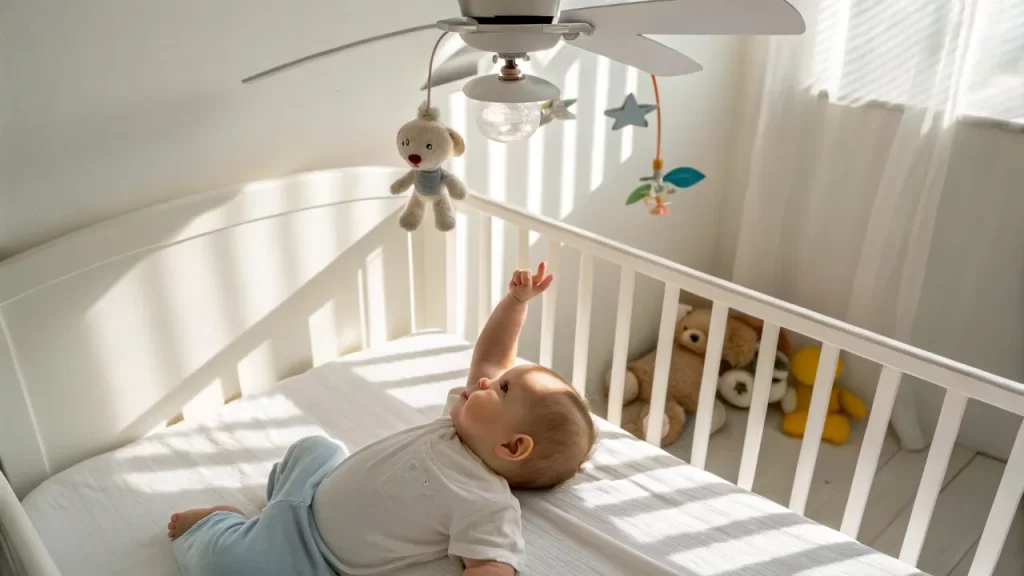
160 328
580 172
111 111
216 316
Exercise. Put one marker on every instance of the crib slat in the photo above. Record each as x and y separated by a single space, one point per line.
451 279
547 317
709 385
758 405
230 385
323 335
364 322
376 308
484 304
412 281
256 371
582 339
934 472
662 363
1000 516
207 402
523 249
870 450
623 317
822 392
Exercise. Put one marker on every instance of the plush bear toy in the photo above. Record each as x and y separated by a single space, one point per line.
842 404
425 144
736 385
634 420
685 372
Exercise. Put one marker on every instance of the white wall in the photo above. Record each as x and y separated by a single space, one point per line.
109 106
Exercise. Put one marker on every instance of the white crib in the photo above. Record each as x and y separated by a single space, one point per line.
110 333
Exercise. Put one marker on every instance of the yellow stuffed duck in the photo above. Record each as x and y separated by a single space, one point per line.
842 405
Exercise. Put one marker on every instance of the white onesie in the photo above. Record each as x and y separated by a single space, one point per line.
416 496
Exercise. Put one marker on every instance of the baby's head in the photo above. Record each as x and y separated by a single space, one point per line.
528 425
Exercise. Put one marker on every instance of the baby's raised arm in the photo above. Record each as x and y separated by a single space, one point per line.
495 350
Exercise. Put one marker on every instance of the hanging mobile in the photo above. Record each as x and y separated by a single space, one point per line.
656 187
425 143
556 109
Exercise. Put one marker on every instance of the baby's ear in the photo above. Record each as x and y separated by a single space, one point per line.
458 144
516 449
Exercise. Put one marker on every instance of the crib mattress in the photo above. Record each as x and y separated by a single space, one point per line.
633 510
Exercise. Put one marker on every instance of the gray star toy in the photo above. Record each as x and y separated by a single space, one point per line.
630 114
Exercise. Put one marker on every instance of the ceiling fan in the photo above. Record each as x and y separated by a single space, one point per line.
511 30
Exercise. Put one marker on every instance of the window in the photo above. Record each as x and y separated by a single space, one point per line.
929 53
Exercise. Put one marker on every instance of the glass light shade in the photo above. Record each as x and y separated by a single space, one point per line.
505 123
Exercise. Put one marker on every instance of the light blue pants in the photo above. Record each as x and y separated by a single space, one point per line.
283 539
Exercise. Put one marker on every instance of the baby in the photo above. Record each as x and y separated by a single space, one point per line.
440 489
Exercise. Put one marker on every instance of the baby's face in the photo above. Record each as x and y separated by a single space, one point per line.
491 416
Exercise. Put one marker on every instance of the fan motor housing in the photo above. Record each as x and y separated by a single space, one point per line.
510 11
520 14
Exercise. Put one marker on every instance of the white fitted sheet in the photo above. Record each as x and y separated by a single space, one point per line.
634 510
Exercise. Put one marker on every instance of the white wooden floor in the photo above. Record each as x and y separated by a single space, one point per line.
960 512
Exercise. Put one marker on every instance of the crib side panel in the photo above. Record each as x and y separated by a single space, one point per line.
832 336
238 294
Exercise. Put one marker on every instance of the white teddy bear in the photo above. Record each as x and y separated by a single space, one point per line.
425 144
736 385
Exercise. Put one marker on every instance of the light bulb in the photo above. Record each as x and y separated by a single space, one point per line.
508 122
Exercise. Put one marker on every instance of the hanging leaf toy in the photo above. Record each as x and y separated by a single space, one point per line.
655 188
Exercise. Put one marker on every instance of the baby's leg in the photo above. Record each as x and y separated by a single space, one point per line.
279 541
219 541
305 462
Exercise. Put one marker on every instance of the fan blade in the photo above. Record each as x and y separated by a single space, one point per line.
639 52
705 17
332 51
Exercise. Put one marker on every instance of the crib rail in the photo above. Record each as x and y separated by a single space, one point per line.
425 263
32 556
960 382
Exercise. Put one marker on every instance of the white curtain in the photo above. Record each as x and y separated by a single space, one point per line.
843 152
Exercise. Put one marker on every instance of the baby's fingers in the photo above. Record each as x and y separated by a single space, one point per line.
541 269
545 283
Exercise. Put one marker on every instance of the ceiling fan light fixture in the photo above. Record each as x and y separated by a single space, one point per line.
525 90
508 105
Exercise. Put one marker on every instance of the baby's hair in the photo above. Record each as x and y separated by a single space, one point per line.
564 435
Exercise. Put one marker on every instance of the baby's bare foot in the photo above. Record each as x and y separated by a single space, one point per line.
181 521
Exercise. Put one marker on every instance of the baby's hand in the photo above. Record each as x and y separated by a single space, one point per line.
525 285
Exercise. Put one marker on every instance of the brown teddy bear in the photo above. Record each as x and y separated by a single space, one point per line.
685 372
634 420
